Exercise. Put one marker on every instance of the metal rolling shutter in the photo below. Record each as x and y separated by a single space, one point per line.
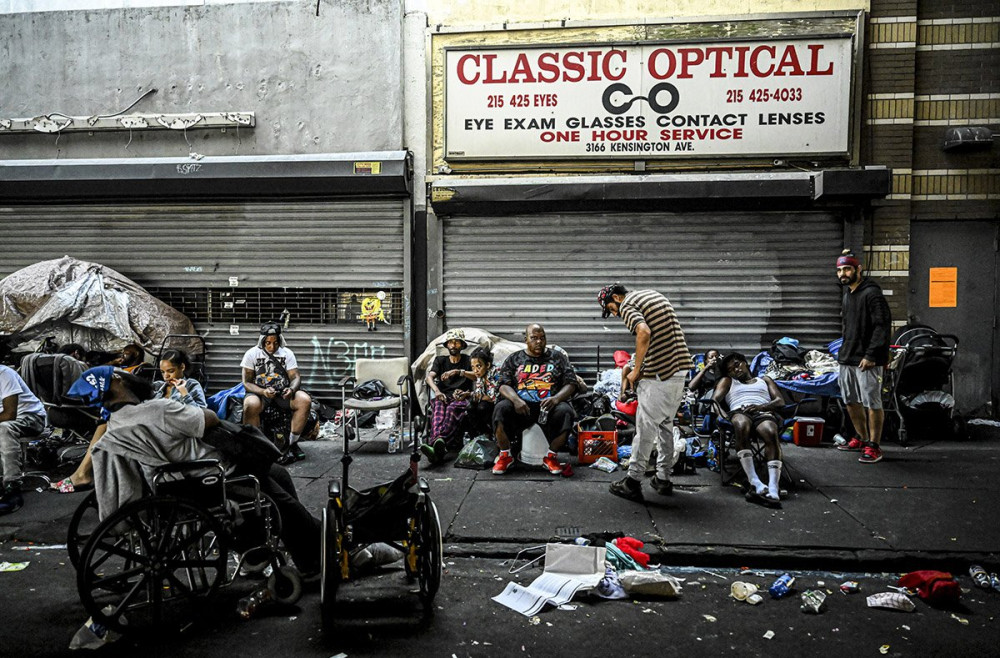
736 280
297 255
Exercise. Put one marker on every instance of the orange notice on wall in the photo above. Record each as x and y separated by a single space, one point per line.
943 288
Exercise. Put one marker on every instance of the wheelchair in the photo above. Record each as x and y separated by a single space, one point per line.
399 513
154 563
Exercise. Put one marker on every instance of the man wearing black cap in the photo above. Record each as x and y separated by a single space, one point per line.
863 356
661 364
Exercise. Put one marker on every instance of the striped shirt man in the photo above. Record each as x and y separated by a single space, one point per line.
668 352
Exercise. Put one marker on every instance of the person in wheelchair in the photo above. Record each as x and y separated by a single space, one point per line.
271 377
750 404
22 416
536 385
144 433
449 379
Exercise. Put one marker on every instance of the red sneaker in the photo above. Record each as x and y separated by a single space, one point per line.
551 462
854 445
872 454
502 463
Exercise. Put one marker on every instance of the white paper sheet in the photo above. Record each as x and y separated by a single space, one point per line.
579 567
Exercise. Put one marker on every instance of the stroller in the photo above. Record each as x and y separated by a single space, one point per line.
399 513
918 388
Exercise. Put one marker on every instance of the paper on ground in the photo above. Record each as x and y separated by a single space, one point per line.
568 569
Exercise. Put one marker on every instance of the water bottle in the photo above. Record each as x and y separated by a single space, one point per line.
393 441
249 605
782 586
543 416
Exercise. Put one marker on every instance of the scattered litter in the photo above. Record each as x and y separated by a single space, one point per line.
820 583
340 655
709 618
983 421
884 649
648 611
46 547
891 601
650 582
768 635
850 587
813 601
961 620
548 623
755 599
535 621
567 606
740 590
712 573
14 566
92 635
782 586
605 464
833 500
905 627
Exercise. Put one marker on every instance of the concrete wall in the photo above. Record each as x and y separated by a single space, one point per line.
331 83
470 12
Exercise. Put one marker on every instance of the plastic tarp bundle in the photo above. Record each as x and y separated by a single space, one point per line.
822 383
75 301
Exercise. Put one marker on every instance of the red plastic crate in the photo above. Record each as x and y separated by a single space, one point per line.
591 446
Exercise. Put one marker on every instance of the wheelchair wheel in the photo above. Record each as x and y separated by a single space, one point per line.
285 584
334 554
85 520
147 566
429 552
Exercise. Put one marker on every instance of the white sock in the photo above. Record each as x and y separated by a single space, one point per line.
773 475
746 461
293 438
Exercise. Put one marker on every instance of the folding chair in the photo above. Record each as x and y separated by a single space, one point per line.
394 374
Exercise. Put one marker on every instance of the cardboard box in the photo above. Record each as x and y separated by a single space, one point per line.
807 431
591 446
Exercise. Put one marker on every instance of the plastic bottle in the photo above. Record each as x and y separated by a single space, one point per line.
249 605
393 441
838 439
782 586
543 416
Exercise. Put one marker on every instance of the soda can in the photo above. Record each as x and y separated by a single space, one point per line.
850 587
813 601
782 586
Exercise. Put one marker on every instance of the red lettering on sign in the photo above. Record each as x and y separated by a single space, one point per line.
690 57
755 60
462 61
814 61
789 60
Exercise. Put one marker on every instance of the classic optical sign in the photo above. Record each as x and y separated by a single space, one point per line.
748 98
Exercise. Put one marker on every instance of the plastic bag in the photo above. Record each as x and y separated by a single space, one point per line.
386 419
652 583
479 453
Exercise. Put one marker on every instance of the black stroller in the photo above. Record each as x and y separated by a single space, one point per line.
399 513
918 387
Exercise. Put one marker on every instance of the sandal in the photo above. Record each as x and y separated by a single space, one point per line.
66 486
980 577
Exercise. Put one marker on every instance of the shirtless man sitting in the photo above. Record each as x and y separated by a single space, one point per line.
752 403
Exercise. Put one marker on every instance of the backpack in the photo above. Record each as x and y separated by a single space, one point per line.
372 389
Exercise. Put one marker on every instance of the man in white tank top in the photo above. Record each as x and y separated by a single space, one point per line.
750 404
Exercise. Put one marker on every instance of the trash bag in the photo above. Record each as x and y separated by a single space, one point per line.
479 453
372 389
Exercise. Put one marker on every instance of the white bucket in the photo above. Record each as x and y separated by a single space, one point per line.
534 446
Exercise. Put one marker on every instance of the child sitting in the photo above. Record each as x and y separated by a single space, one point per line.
479 415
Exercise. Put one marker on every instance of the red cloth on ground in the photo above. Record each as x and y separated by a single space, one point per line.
933 586
630 546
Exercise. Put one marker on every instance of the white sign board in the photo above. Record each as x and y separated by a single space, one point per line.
727 98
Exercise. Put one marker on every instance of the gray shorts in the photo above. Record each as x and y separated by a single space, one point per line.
861 387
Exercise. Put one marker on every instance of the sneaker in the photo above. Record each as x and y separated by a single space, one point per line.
871 454
627 488
440 450
10 502
662 487
854 445
502 463
429 452
551 462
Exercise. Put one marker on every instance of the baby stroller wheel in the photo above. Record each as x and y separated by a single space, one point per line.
148 565
285 585
85 520
429 550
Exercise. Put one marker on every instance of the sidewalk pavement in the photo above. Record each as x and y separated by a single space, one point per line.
926 505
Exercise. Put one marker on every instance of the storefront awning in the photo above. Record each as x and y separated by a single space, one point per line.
383 173
597 192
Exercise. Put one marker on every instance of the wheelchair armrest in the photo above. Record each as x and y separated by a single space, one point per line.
181 467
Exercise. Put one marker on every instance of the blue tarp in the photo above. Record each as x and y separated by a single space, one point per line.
826 384
217 402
